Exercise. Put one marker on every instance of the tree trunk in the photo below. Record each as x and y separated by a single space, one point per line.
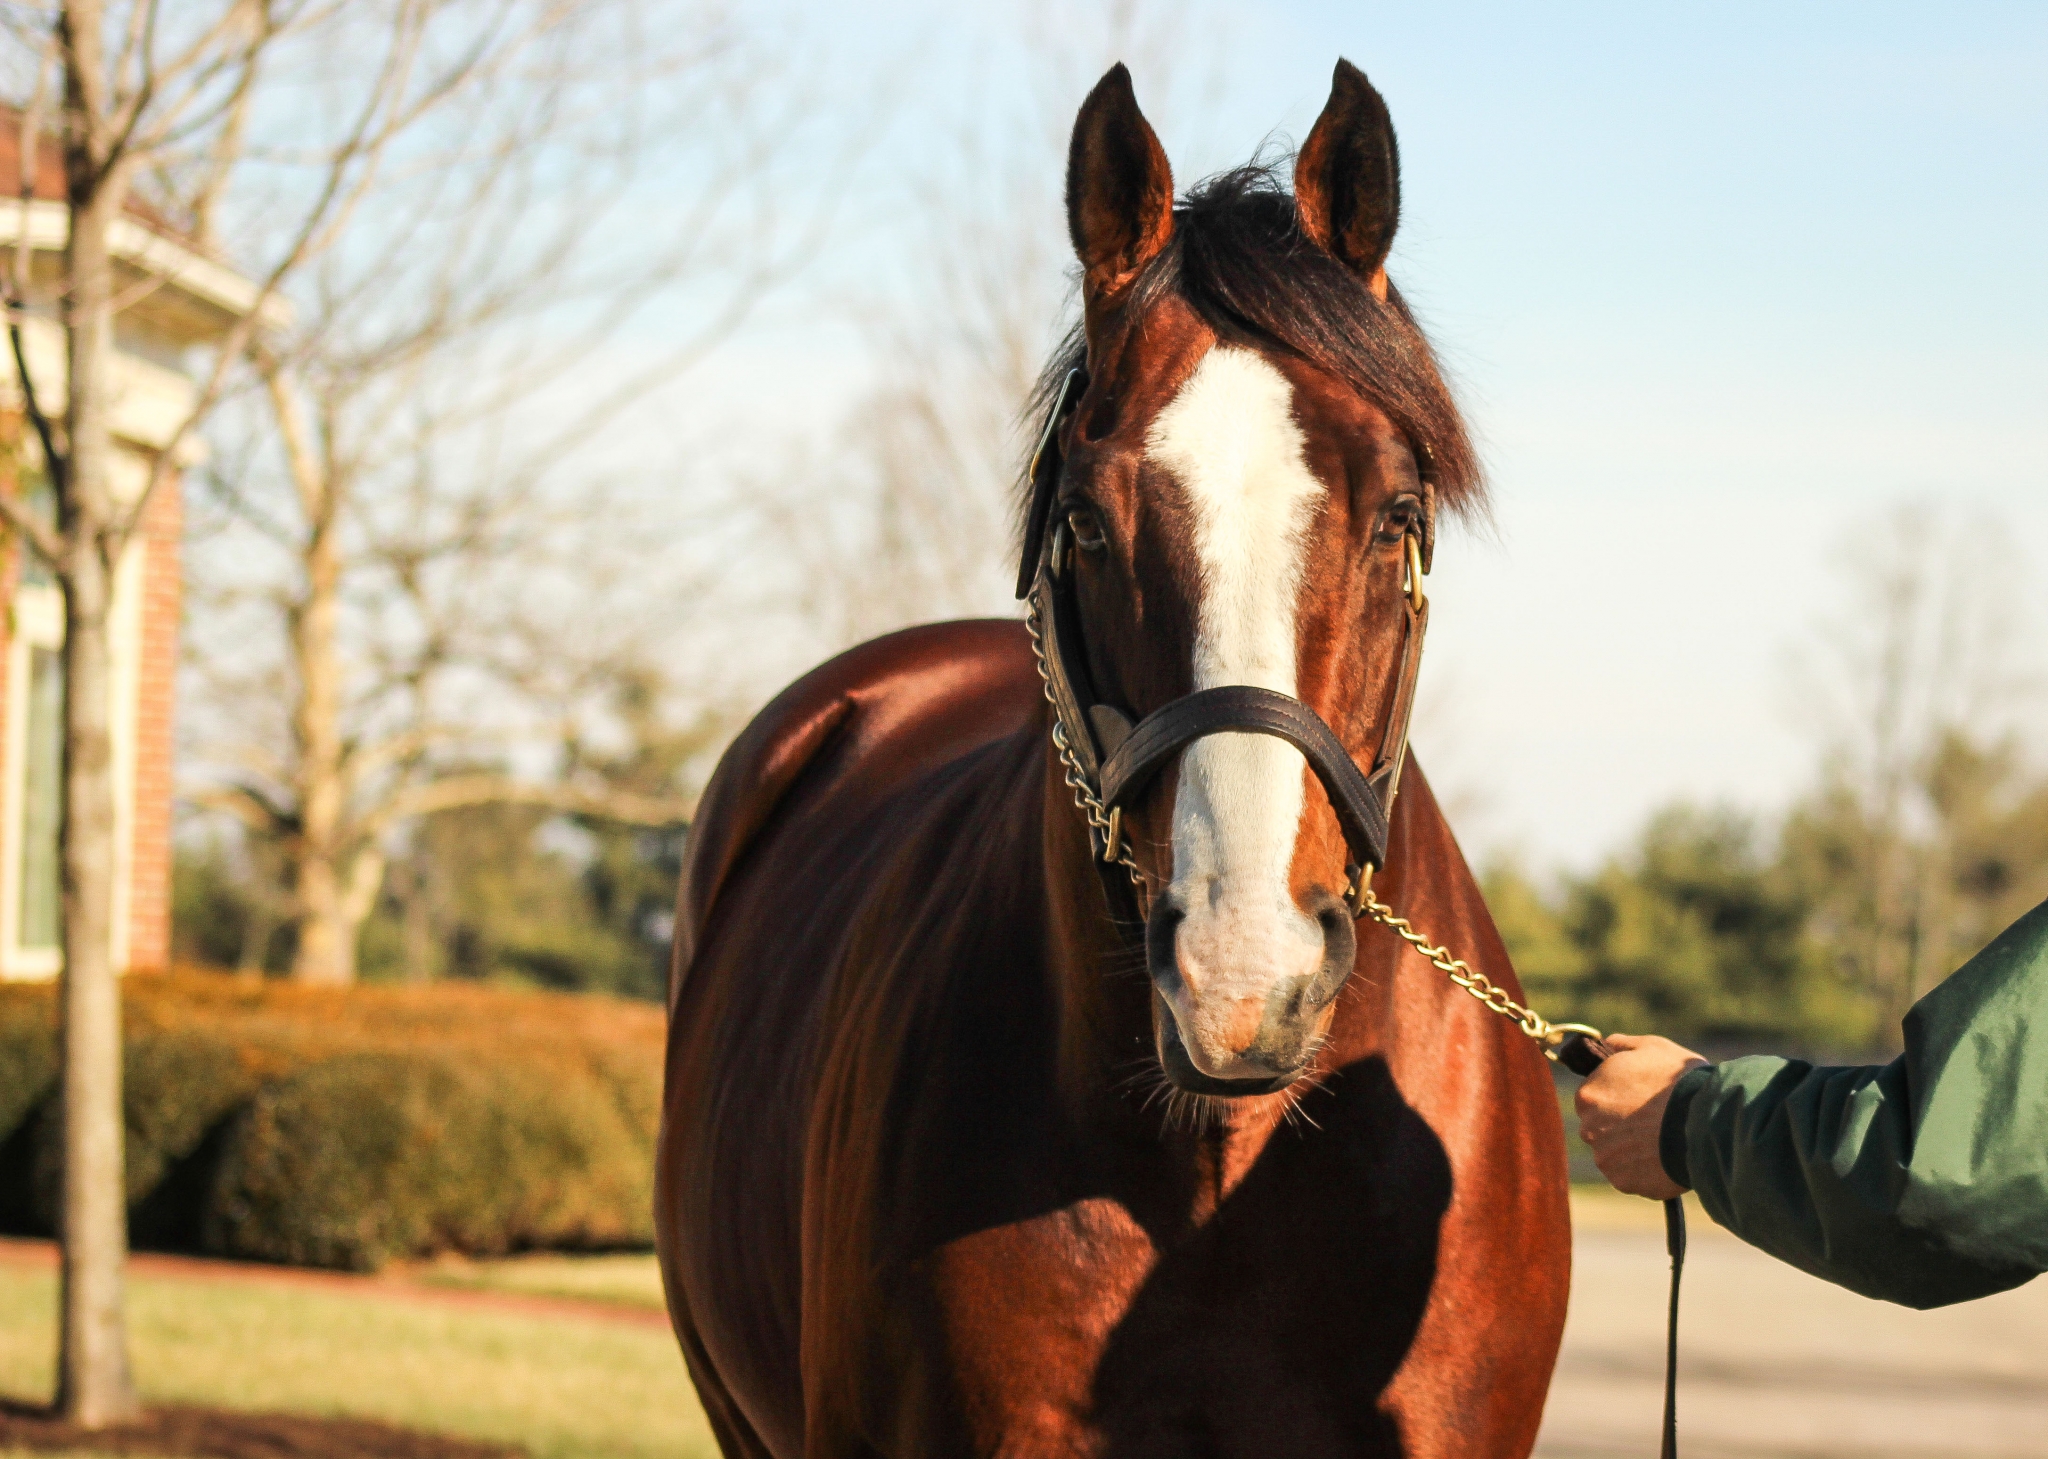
327 933
94 1384
327 950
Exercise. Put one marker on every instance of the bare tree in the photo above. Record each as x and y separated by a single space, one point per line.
1916 690
155 106
415 547
907 517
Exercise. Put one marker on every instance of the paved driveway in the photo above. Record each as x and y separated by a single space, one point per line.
1774 1363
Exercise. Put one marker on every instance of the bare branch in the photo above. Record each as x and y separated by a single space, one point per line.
44 537
28 161
599 802
251 805
348 177
227 146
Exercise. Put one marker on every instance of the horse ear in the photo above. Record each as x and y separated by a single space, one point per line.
1119 188
1347 180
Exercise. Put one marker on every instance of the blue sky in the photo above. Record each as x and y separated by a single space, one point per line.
1719 284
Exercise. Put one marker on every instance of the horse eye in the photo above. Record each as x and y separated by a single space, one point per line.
1087 529
1402 516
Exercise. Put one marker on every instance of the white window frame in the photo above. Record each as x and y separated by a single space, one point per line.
38 622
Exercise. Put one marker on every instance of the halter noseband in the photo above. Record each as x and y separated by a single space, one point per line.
1109 760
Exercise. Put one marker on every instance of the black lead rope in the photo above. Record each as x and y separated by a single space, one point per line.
1674 1242
1582 1055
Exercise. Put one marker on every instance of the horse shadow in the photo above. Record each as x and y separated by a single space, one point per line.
1275 1327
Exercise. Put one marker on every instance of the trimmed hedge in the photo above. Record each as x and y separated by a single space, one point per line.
349 1127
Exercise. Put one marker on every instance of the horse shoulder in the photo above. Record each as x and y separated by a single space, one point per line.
894 691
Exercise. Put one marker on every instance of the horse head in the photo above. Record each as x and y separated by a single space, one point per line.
1243 494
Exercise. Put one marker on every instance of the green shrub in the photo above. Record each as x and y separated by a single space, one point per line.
366 1157
28 1074
182 1087
28 1052
347 1127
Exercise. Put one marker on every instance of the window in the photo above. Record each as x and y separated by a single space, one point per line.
42 801
42 503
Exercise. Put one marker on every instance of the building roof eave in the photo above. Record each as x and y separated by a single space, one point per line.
219 291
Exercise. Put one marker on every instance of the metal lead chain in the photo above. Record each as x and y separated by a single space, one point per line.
1105 822
1532 1023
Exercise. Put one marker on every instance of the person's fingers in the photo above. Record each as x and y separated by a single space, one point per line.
1633 1172
1621 1105
1593 1118
1654 1045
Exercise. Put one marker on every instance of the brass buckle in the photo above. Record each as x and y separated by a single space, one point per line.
1413 586
1361 889
1554 1035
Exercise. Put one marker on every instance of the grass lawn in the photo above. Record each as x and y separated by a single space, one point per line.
632 1281
565 1388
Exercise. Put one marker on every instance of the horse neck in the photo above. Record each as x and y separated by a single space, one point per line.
1428 882
1097 972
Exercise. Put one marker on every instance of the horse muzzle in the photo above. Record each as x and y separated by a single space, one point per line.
1238 1030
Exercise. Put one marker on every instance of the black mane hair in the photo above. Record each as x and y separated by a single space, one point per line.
1239 258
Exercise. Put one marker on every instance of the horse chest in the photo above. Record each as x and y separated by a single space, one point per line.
1141 1323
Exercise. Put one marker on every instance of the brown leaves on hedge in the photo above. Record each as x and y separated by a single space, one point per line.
345 1127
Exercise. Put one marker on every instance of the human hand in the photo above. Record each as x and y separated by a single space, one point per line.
1621 1111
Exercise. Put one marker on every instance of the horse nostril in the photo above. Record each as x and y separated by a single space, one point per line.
1340 950
1160 930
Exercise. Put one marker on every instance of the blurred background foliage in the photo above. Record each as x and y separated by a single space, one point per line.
1921 834
501 893
1813 935
497 892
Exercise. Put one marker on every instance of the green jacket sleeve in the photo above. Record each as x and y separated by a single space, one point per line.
1923 1181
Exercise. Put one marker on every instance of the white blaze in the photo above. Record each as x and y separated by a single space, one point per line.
1230 440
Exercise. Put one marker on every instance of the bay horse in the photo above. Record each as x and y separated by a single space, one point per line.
1031 1089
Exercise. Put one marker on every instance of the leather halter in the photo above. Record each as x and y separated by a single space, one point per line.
1115 759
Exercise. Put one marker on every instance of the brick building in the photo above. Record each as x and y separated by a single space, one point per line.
180 299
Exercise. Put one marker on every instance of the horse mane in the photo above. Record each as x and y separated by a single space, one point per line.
1239 258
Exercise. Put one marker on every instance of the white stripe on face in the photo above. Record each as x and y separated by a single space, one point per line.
1230 440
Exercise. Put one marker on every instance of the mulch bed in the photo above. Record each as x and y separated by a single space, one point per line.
177 1432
